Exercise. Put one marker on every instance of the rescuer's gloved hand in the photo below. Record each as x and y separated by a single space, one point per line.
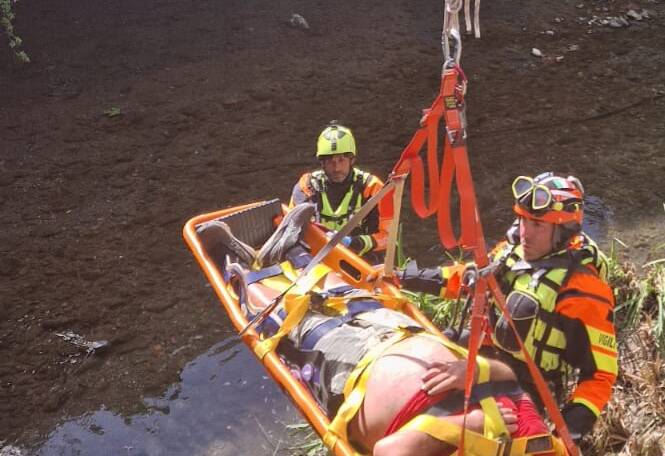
427 280
345 241
579 419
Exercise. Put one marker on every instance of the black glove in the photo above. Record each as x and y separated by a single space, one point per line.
427 280
579 419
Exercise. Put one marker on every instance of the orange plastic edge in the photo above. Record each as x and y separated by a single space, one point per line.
271 362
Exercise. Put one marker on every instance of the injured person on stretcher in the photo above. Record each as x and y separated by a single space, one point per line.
389 387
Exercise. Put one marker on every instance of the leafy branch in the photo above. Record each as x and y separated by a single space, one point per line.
6 18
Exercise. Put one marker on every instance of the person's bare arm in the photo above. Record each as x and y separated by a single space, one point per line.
442 377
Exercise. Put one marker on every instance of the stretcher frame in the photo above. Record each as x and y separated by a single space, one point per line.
353 269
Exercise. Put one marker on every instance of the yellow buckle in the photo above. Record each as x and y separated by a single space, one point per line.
539 444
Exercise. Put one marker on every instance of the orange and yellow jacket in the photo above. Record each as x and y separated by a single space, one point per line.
336 203
563 309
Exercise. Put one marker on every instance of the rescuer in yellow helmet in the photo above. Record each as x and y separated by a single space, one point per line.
339 189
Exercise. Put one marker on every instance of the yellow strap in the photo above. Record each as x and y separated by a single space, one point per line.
340 303
494 425
296 307
475 444
278 283
354 390
306 283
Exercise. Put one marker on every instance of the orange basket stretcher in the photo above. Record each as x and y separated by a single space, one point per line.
253 223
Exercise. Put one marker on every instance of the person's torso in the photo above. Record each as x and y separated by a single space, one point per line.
532 289
336 203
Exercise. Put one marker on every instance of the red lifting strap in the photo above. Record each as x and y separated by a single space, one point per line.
449 108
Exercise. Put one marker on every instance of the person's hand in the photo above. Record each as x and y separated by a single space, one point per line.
509 416
345 241
441 377
376 273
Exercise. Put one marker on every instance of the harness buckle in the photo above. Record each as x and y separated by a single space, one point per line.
539 444
505 444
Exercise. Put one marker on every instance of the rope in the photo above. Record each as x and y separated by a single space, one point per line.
451 27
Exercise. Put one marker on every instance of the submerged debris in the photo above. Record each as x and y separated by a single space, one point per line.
90 346
10 450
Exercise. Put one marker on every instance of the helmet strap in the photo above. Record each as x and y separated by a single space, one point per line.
562 234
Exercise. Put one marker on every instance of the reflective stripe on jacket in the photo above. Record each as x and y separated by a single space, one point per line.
564 312
372 233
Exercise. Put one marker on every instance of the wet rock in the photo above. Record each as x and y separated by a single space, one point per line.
632 14
617 22
123 338
11 450
297 21
90 363
232 101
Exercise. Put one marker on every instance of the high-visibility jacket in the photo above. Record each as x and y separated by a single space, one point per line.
336 203
564 311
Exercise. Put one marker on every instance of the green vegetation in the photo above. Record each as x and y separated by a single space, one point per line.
634 418
6 23
113 111
308 442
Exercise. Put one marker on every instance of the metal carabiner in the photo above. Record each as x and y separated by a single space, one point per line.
452 48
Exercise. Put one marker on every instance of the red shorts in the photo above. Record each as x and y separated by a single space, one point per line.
529 422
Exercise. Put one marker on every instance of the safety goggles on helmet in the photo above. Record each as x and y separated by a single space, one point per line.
548 198
526 191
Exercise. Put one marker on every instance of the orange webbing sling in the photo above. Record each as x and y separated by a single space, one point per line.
449 107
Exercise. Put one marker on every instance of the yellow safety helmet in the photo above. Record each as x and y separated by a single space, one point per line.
335 139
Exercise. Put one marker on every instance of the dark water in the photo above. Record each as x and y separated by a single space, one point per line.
223 405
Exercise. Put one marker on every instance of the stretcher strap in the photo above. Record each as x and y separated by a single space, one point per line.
308 282
296 306
354 390
494 424
476 444
479 445
389 262
339 303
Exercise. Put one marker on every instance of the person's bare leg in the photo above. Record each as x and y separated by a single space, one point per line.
260 296
332 280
